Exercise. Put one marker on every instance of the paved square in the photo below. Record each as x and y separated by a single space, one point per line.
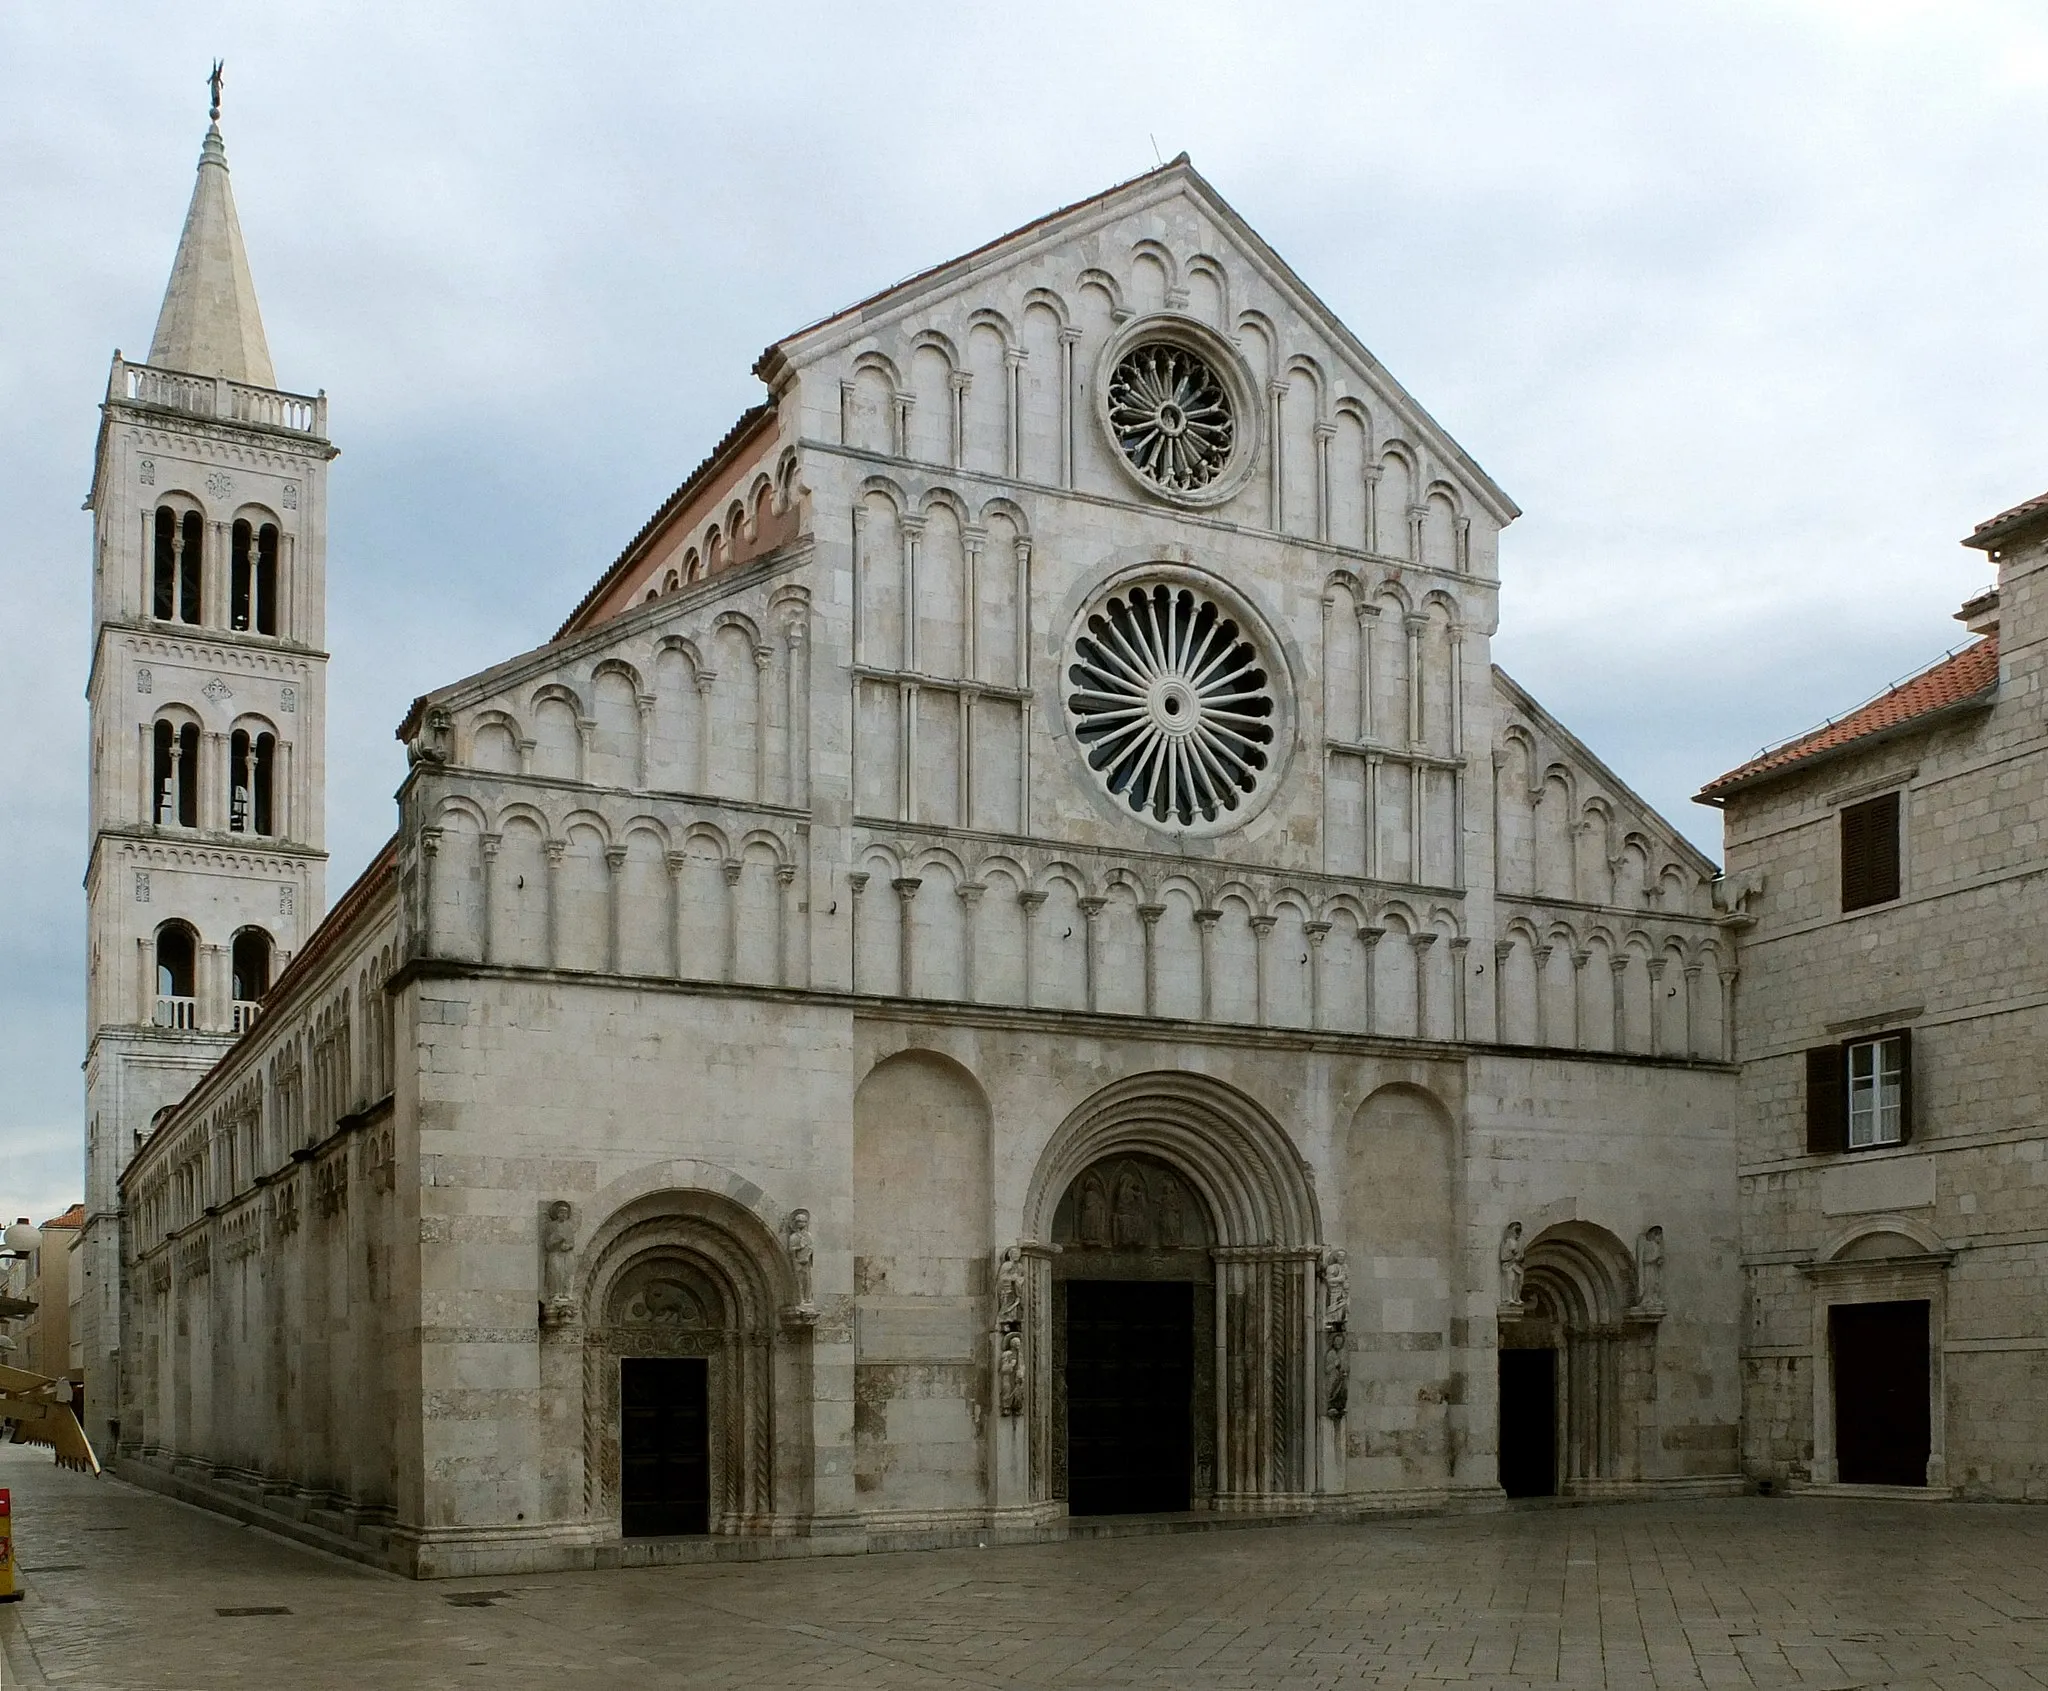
126 1590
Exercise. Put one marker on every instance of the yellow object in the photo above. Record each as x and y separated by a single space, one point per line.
37 1410
9 1591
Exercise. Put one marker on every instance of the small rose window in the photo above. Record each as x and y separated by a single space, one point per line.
1171 416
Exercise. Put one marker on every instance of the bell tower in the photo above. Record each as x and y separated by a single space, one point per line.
207 695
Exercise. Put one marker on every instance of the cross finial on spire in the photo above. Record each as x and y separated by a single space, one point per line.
213 82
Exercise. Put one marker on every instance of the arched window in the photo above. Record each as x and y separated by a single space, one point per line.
252 588
251 758
175 781
177 968
178 543
251 963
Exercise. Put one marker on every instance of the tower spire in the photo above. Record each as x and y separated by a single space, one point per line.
210 325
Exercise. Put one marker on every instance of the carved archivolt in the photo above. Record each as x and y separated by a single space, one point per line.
692 1274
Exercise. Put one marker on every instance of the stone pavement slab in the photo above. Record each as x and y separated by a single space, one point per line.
128 1591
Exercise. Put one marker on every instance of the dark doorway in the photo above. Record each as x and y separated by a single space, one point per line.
1528 1423
1130 1396
664 1446
1883 1431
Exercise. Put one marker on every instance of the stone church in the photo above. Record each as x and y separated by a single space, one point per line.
1013 961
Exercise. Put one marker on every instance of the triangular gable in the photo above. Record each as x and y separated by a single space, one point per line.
1176 179
1517 699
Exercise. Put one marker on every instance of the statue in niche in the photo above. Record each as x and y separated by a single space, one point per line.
1010 1290
803 1253
557 1263
1650 1269
1336 1374
1336 1289
1129 1222
1094 1219
1010 1375
1173 1226
1511 1266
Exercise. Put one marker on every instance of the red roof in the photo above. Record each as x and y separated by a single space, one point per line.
1993 532
73 1217
1962 678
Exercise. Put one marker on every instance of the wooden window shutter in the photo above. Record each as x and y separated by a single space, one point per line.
1905 1038
1827 1099
1870 852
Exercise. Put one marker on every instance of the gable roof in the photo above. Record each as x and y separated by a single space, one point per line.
1963 680
1177 176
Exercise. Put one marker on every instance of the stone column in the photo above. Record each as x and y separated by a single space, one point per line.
1032 903
856 884
707 683
1205 935
1261 927
1420 944
906 935
644 749
553 851
912 528
785 878
959 381
430 852
730 969
969 894
1655 965
614 865
1068 394
1692 992
487 846
1617 967
213 777
1461 1015
1148 915
1317 932
1091 909
1542 954
1579 961
1502 951
675 862
1370 938
763 657
1325 433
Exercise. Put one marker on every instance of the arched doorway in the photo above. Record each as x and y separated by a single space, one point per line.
1570 1372
1169 1314
1133 1286
681 1370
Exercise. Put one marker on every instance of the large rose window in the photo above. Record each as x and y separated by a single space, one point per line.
1171 704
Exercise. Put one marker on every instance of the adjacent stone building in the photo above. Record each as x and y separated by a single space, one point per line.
1013 959
1890 873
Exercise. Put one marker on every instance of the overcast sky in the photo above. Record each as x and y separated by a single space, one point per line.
1740 302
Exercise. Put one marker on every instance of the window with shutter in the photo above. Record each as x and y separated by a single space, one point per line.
1827 1100
1870 852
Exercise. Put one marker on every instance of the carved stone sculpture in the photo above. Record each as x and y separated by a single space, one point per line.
1336 1289
1010 1290
1129 1220
1173 1226
1094 1227
1511 1266
557 1263
1336 1374
1010 1375
1650 1269
803 1253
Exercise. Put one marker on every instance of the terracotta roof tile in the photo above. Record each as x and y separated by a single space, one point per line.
73 1217
1993 531
1961 678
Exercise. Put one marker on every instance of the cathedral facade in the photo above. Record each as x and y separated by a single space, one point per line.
1013 961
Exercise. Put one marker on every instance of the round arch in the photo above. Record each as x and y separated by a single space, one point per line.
696 1277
